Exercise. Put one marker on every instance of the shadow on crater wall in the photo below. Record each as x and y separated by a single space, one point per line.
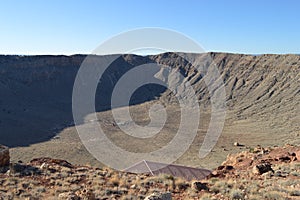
36 94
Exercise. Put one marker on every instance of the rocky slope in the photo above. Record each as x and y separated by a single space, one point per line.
260 173
265 86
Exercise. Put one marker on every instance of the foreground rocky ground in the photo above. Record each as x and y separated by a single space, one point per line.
260 173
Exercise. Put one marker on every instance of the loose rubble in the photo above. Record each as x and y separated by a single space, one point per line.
260 173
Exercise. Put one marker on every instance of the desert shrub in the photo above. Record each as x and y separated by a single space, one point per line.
231 183
74 188
168 176
11 181
123 183
236 194
294 173
213 180
255 197
214 189
114 181
41 189
273 195
251 150
137 181
287 183
296 166
223 186
156 179
206 197
252 188
294 193
280 189
128 197
192 194
181 184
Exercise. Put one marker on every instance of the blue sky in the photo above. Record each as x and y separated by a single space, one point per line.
69 27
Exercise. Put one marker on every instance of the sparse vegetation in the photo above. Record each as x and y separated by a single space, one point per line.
114 181
273 195
181 184
236 194
233 180
294 193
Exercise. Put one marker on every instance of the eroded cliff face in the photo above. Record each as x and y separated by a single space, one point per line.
260 86
35 96
36 91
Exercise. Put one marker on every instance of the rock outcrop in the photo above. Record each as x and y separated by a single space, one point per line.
47 178
4 156
262 168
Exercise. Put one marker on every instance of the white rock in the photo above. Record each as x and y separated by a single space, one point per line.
44 166
159 196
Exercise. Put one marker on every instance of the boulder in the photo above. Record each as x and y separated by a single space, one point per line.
159 196
262 168
238 144
4 156
68 196
199 186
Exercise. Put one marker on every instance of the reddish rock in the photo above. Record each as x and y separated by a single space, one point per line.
40 161
262 168
298 155
4 156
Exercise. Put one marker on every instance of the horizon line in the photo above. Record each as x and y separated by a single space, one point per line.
150 54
